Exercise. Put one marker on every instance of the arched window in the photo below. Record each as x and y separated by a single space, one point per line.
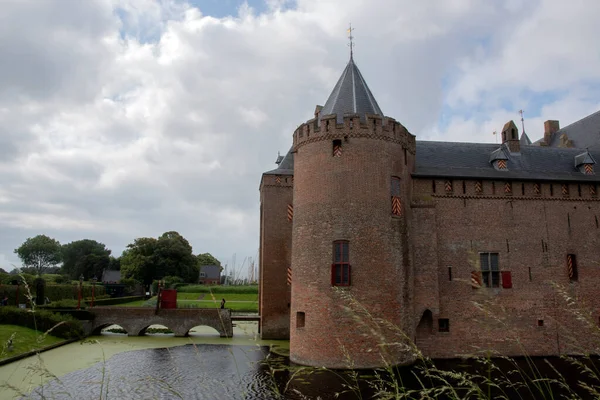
340 269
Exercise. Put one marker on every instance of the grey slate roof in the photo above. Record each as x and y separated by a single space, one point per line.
472 160
351 95
584 133
285 167
111 276
525 141
210 271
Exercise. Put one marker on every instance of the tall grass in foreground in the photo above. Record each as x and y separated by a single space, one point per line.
487 376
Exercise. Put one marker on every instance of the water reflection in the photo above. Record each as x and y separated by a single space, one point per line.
187 372
218 371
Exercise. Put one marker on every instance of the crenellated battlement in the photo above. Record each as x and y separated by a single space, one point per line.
373 126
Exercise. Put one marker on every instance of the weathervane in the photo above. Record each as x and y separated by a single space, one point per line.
351 38
522 120
495 136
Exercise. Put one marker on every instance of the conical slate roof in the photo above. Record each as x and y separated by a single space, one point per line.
351 95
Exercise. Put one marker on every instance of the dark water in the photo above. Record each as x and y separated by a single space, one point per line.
250 372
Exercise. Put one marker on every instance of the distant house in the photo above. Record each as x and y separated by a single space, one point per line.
109 276
210 275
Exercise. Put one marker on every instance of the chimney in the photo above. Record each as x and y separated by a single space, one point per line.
550 127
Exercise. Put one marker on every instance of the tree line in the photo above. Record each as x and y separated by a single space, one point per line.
146 259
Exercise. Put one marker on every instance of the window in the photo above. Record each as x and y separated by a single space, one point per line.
507 188
449 273
478 187
572 267
340 269
540 322
490 272
202 274
448 186
337 148
300 319
565 189
443 325
395 192
537 189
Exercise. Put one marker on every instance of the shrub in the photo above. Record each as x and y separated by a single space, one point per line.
63 326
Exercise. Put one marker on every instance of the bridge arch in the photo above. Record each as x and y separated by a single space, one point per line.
136 320
211 331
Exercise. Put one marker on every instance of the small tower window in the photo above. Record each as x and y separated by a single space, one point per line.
537 188
290 212
501 164
588 169
337 148
565 189
443 325
340 269
507 188
593 190
572 267
395 192
300 319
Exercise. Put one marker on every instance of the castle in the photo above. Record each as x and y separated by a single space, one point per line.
462 247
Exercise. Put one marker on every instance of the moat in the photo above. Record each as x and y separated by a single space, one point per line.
208 367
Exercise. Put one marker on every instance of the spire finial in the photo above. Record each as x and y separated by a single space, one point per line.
351 38
522 120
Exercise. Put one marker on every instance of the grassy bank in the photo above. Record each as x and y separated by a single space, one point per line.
234 301
24 340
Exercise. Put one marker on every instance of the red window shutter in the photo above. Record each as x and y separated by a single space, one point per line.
349 275
476 279
506 280
332 274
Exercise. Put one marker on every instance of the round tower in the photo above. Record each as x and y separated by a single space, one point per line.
352 269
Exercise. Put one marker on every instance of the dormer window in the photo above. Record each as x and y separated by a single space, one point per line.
584 162
499 158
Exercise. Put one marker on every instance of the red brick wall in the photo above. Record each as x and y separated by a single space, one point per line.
275 256
515 226
348 198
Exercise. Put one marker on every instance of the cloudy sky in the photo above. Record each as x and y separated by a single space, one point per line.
129 118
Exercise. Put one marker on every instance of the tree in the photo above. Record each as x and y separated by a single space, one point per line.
39 253
85 257
147 259
114 264
208 259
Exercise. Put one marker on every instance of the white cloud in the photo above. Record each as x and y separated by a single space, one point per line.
128 118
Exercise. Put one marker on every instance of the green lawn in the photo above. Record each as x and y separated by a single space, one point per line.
242 302
218 296
24 340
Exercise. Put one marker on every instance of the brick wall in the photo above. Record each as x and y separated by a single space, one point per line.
532 234
275 254
348 198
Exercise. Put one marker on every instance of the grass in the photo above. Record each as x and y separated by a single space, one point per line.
235 305
248 289
24 340
218 296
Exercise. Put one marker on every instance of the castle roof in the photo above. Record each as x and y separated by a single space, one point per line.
472 160
351 95
583 133
285 166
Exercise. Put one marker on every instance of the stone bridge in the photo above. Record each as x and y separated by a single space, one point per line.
135 320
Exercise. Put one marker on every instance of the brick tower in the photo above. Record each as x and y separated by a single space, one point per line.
351 194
